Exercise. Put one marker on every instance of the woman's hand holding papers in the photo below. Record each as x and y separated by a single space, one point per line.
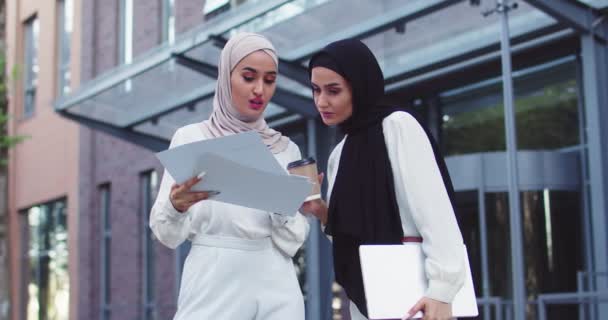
182 198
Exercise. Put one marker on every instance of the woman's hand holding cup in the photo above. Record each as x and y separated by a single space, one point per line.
313 204
316 207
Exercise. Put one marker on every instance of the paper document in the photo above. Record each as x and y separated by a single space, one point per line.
242 169
245 148
394 280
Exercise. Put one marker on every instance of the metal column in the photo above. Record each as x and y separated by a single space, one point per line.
585 195
313 283
594 56
483 239
517 253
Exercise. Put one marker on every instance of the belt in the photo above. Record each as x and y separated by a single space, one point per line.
411 239
232 242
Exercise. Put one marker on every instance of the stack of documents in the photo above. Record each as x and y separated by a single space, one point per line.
242 169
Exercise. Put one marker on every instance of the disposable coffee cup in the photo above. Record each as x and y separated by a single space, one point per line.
307 168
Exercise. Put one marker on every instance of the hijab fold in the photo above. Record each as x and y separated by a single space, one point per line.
225 119
363 206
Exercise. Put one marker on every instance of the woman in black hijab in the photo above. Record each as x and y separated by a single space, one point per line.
388 183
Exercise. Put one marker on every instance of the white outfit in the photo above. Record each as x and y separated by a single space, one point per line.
424 205
240 264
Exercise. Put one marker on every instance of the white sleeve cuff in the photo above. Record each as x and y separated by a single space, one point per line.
280 220
442 291
289 232
172 213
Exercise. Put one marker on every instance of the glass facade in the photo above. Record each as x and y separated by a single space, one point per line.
548 117
546 107
46 279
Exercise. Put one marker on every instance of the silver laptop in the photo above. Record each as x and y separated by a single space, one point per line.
394 280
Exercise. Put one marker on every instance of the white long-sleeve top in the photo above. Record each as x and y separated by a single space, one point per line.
424 205
214 218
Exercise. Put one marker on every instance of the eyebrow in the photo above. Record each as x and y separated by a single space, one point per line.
250 69
333 84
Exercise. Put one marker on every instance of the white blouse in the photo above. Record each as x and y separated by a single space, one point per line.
424 205
214 218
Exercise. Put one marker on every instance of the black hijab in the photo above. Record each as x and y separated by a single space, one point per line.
363 207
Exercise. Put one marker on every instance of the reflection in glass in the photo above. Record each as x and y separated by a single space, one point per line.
547 118
499 257
48 280
32 31
547 114
65 28
150 189
106 250
280 14
552 242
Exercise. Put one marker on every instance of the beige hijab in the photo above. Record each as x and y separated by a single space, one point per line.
225 120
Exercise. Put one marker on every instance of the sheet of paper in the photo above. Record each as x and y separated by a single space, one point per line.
244 148
394 279
253 188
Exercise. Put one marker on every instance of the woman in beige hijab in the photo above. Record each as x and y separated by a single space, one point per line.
240 263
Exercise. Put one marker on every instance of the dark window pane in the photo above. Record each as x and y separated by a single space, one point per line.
47 284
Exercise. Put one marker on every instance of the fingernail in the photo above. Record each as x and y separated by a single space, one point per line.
213 193
202 174
407 316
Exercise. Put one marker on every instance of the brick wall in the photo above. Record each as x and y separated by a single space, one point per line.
105 159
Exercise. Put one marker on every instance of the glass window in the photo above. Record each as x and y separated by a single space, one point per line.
552 244
149 190
31 67
546 107
126 37
126 34
65 26
547 116
24 236
46 274
169 21
106 250
213 8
